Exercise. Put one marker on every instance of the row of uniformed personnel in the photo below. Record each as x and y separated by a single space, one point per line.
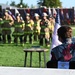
41 28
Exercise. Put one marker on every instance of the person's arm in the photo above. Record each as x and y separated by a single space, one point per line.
12 21
32 24
23 25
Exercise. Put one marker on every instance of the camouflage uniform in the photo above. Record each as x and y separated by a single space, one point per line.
28 31
6 27
44 32
51 26
36 29
18 31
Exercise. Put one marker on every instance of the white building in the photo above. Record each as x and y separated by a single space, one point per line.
4 6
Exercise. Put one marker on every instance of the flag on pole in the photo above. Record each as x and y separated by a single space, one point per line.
55 41
49 11
17 12
74 12
67 16
40 11
61 14
54 12
25 12
10 13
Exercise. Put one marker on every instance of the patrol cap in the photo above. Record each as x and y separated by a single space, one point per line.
27 14
36 14
44 14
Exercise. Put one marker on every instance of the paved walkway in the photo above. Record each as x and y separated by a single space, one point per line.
34 71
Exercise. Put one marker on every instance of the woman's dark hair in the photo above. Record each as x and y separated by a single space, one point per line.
62 32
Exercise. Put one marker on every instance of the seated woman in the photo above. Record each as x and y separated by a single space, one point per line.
65 51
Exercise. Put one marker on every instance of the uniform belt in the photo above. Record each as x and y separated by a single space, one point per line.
18 33
18 26
28 32
6 21
5 28
44 33
43 26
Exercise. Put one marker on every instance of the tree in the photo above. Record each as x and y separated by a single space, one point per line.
32 6
49 3
40 2
13 3
21 4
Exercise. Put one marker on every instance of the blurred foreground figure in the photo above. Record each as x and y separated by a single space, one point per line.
65 51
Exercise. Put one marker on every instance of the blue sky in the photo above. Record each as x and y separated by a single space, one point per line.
65 3
68 3
29 2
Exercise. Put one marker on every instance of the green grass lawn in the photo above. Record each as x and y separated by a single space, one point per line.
11 55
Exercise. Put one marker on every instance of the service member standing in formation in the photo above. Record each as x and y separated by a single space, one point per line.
51 26
36 27
6 27
44 32
19 29
28 31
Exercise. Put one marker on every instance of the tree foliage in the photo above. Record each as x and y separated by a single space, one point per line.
21 4
49 3
12 3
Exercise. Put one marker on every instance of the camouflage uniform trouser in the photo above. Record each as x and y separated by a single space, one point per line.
29 35
36 36
45 35
6 34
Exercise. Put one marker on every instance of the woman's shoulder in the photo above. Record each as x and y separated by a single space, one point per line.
73 39
59 48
